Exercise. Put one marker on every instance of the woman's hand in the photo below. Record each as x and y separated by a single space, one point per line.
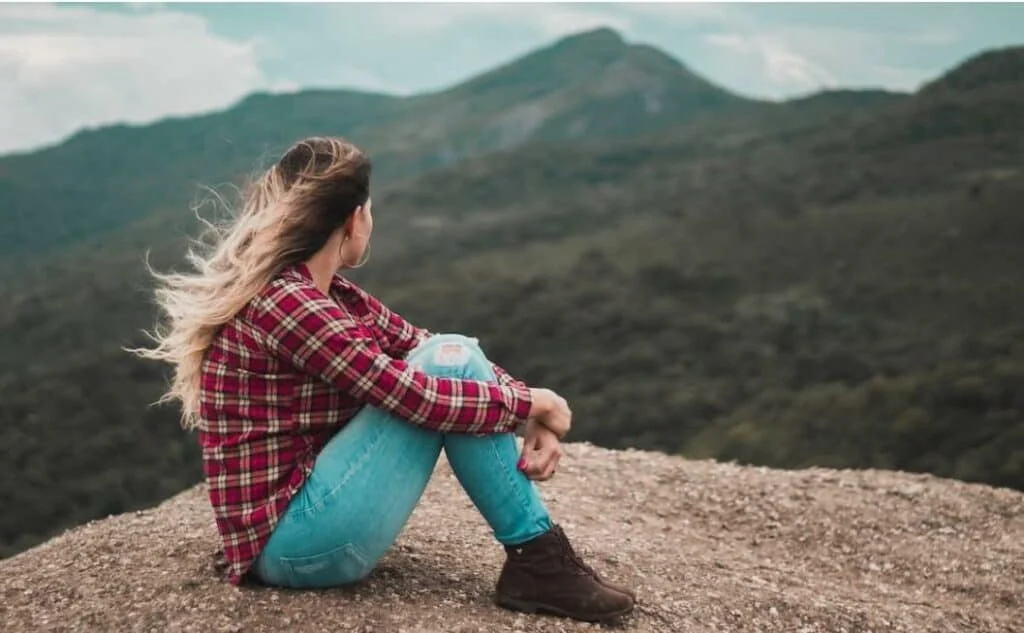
541 452
551 410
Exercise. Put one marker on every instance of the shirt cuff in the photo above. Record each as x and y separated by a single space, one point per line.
523 404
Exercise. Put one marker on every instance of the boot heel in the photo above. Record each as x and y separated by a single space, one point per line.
517 605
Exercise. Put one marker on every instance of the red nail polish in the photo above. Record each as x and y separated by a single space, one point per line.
522 463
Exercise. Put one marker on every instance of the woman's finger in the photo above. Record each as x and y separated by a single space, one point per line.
531 464
553 465
549 471
538 462
541 462
525 459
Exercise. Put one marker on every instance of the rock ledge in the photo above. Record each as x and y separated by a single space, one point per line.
710 547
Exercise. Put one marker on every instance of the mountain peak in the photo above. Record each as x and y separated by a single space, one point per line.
599 57
988 68
602 37
596 46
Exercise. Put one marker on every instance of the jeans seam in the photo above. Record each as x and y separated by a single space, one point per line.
505 468
349 473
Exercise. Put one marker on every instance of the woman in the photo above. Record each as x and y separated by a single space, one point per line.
321 413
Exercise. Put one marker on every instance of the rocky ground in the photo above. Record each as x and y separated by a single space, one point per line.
709 547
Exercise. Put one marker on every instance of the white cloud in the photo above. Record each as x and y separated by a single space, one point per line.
415 48
782 65
687 13
65 68
426 20
795 58
556 21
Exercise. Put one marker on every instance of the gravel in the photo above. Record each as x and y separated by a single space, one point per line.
708 546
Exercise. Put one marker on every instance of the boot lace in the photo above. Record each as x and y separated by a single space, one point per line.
573 559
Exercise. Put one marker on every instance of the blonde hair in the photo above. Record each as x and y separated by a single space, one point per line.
287 214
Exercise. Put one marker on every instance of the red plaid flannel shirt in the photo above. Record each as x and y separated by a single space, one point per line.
289 371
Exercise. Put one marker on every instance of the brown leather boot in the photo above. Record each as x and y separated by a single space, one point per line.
546 575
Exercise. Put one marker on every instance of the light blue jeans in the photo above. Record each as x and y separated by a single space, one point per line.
370 476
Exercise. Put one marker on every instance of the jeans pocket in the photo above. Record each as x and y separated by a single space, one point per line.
341 565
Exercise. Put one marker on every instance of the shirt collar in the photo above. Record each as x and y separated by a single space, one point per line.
338 283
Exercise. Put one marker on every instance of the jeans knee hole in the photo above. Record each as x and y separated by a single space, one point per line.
451 356
455 354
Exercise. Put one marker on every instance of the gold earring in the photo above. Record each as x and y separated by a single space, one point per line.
341 249
365 258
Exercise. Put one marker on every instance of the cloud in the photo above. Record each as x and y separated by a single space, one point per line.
546 20
687 14
72 66
414 48
784 67
563 20
65 68
798 57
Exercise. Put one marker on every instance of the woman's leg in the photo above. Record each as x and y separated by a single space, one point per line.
542 572
364 486
485 465
368 479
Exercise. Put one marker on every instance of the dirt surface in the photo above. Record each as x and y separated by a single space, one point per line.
709 547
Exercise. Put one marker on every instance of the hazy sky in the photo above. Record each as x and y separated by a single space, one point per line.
65 67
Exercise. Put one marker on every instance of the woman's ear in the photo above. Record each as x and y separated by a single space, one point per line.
347 228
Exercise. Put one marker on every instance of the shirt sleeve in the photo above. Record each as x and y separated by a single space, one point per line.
506 379
403 336
400 336
304 327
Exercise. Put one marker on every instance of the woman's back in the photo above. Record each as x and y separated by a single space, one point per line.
261 425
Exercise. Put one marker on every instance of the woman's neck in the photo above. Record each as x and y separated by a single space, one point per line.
322 271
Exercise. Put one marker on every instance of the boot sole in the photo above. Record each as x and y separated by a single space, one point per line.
527 606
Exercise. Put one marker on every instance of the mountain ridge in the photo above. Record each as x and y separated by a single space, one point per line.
160 164
983 69
600 35
632 91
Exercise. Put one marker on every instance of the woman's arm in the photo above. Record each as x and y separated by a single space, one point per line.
403 336
302 326
504 378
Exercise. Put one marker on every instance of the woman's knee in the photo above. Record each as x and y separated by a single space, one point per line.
435 341
452 355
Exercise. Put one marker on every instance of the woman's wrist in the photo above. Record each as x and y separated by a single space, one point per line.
540 402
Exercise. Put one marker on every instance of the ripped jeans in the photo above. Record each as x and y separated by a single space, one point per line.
370 476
